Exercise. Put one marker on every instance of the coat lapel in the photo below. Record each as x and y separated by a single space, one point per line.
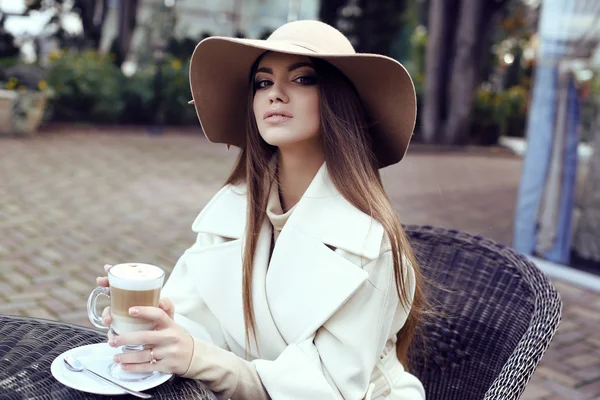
306 280
307 283
309 279
218 273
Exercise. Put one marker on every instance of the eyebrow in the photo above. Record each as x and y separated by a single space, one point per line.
290 68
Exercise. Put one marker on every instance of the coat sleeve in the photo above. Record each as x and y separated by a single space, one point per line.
191 312
226 375
338 360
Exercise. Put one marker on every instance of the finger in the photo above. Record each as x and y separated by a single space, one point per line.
106 316
154 314
145 367
153 338
102 281
167 306
136 357
106 268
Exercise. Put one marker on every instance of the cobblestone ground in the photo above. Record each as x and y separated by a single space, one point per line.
75 199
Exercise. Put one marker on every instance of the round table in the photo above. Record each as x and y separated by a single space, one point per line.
29 345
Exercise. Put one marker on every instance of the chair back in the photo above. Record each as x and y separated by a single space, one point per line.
499 313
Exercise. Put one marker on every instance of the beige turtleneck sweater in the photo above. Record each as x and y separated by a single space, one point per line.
227 375
275 211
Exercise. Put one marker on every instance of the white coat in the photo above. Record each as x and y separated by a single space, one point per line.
325 304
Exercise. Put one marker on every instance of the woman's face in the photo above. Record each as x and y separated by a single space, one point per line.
286 100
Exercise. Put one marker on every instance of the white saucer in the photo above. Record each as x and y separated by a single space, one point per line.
97 357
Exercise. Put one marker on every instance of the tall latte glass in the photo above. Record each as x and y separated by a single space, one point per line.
130 285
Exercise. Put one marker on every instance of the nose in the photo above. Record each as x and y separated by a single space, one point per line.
277 94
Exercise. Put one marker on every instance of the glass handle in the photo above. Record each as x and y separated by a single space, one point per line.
96 319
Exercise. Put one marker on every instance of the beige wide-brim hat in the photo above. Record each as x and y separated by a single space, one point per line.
219 80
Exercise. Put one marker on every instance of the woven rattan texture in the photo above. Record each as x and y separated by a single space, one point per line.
499 313
28 347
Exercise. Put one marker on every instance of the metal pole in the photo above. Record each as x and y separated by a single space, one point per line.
236 14
293 10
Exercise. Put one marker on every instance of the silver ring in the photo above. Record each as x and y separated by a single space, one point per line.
153 360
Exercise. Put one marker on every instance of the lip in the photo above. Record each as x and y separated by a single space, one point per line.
276 119
277 115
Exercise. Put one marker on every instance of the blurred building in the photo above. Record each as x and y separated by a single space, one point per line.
195 18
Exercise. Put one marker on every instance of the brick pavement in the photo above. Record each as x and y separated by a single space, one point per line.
74 199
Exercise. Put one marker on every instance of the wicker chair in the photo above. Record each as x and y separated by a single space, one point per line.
499 313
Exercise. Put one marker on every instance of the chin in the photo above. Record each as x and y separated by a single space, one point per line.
279 137
283 137
280 142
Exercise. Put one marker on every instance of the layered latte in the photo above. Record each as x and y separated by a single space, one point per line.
133 284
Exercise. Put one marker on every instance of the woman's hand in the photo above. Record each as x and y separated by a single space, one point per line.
164 304
103 280
170 345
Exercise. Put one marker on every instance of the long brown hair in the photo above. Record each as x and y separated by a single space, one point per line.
353 169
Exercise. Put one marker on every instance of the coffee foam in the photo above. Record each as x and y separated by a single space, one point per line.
136 276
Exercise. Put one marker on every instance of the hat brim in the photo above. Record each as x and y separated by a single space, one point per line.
219 82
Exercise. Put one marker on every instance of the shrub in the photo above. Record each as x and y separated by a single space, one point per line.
516 99
176 93
488 117
140 95
23 76
416 67
87 87
497 113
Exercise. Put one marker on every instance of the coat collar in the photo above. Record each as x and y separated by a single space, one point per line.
322 213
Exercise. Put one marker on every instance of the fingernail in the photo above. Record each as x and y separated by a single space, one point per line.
134 311
105 321
116 359
112 342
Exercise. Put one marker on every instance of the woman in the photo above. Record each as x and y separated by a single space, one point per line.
301 283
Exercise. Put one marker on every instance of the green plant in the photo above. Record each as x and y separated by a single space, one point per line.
23 76
496 113
488 116
416 68
589 91
9 61
164 101
181 48
176 93
516 105
138 94
418 42
87 87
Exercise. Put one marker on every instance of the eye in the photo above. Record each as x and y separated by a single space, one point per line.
261 83
306 80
